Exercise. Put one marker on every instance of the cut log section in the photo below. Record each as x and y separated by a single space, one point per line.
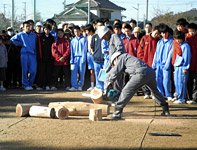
61 112
95 114
81 108
41 111
22 110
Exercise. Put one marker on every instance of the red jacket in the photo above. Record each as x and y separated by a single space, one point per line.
192 41
131 45
147 48
61 48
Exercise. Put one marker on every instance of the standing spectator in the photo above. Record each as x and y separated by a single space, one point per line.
137 33
118 30
181 57
162 62
31 26
61 55
90 60
116 21
78 60
38 28
146 52
65 27
53 33
148 28
10 31
3 63
191 38
133 24
181 25
27 40
130 42
44 59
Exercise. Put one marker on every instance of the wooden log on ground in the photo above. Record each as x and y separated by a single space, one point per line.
81 108
95 114
22 110
61 112
41 111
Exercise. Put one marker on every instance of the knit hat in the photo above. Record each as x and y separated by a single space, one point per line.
136 29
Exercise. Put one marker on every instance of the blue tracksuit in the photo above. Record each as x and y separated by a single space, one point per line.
78 60
28 56
182 63
105 51
162 64
54 34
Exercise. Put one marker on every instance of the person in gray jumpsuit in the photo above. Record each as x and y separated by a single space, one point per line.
140 74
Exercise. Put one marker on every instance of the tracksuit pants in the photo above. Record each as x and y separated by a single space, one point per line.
146 76
28 65
192 85
180 81
97 67
78 66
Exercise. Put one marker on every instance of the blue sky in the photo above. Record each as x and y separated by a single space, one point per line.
48 7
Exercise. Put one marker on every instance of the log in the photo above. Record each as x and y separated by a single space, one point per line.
81 108
95 114
41 111
22 110
61 112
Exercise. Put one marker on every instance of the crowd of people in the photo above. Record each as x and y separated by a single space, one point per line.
49 53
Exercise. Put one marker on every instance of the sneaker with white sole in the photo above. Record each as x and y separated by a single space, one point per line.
90 89
39 89
169 98
191 102
47 88
28 88
147 97
53 88
2 88
178 102
72 89
67 88
79 88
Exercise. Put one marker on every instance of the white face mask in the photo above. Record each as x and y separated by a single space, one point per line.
10 33
123 31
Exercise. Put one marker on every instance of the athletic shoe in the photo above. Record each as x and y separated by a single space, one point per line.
169 98
72 89
191 102
178 102
39 89
90 89
2 89
47 88
53 88
67 88
147 97
79 88
28 88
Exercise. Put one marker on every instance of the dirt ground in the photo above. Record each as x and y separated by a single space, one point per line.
140 118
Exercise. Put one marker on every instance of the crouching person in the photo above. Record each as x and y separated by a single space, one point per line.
140 74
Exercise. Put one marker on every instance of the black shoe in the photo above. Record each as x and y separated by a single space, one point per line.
165 110
116 115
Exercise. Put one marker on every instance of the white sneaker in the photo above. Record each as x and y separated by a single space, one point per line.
191 102
79 88
28 88
72 89
174 99
169 98
2 89
178 102
39 88
47 88
147 97
90 89
67 88
53 88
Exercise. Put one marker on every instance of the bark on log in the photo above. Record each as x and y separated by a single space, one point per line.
41 111
95 114
81 108
22 110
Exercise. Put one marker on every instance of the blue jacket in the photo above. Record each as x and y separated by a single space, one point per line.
184 60
105 49
78 49
27 41
163 54
54 34
96 47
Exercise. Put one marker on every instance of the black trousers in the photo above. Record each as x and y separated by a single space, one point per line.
44 74
192 86
57 70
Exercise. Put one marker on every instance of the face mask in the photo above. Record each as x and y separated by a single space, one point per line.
10 33
123 31
107 25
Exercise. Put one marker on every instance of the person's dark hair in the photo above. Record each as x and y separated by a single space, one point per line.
30 21
117 20
49 21
110 27
171 32
179 35
64 25
89 27
128 27
118 25
47 26
157 28
192 26
181 22
1 37
3 31
133 21
99 21
163 28
60 30
150 24
76 27
26 22
106 20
